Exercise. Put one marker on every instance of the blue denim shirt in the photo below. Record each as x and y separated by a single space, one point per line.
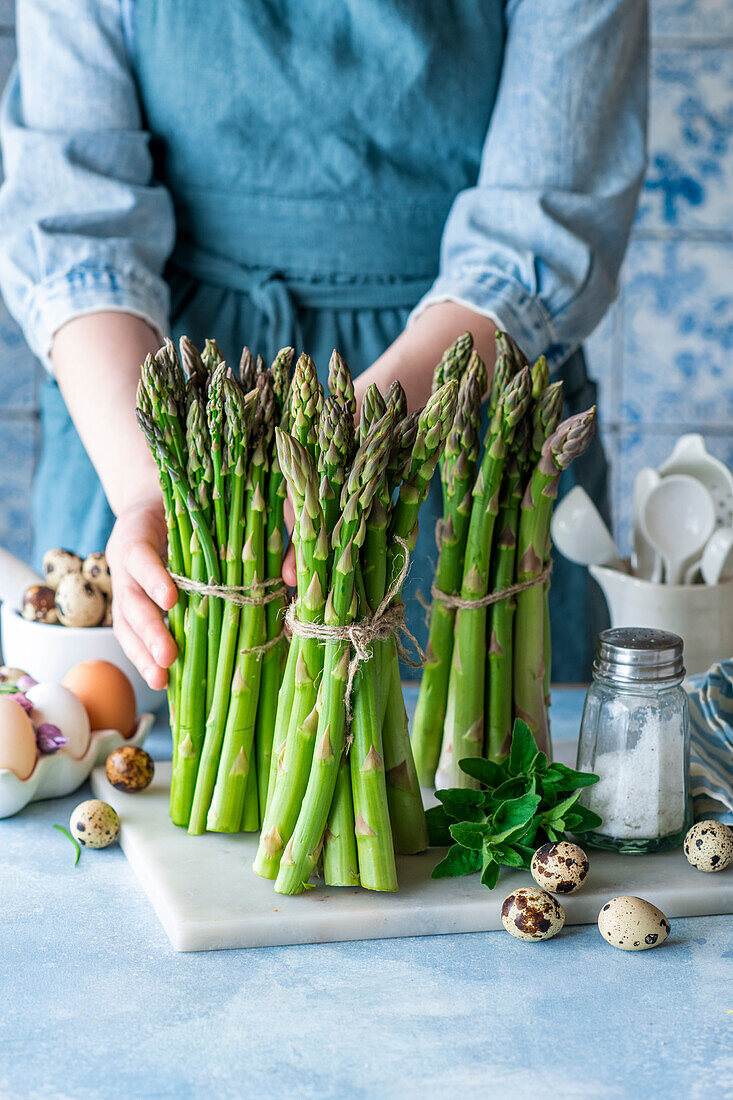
535 244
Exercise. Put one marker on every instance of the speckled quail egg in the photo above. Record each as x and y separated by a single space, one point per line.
709 846
39 604
10 676
57 563
79 602
94 824
561 868
129 768
532 914
107 620
96 570
632 924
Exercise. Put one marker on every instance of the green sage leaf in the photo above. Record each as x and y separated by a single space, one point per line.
490 872
523 748
562 778
558 811
438 827
515 813
588 819
470 835
459 861
485 771
462 804
508 856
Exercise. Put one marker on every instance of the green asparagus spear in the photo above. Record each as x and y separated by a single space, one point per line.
569 441
465 710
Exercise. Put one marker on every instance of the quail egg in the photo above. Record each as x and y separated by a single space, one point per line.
94 824
129 768
39 604
561 868
709 846
79 602
532 914
57 563
632 924
96 570
11 676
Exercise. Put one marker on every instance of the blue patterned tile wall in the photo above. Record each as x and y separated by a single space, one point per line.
663 353
663 356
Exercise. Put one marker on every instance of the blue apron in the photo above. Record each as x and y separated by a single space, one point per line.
312 152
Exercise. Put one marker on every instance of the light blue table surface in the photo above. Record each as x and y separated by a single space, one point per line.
94 1003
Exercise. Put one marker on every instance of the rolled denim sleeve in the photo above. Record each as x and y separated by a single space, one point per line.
537 244
82 226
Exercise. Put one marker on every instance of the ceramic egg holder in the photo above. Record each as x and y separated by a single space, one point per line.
59 773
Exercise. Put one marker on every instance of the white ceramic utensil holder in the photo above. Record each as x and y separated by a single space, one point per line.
701 614
59 774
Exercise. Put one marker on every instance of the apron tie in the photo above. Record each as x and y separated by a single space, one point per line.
270 295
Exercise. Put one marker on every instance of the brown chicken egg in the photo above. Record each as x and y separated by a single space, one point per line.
107 695
17 739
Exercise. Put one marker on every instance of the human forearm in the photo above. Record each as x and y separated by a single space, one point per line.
413 355
97 361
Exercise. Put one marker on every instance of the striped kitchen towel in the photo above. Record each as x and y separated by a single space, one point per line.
711 741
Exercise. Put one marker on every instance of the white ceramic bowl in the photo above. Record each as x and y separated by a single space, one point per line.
48 652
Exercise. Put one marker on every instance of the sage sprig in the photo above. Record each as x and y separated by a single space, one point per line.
524 802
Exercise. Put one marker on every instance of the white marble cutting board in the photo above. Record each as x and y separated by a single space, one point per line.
207 896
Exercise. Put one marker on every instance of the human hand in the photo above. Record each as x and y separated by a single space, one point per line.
142 589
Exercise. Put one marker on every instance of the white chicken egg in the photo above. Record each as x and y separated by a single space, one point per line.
632 924
56 704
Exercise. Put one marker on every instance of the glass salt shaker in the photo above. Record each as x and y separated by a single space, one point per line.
635 735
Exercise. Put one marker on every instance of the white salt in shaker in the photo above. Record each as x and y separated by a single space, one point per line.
635 735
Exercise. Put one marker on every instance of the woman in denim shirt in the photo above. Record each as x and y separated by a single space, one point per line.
368 175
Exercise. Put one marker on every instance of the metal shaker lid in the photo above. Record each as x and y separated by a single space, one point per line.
638 654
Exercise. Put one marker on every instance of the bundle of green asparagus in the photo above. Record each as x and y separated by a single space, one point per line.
488 656
343 790
212 435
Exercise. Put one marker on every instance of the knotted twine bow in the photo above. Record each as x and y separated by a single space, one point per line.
237 594
459 604
388 621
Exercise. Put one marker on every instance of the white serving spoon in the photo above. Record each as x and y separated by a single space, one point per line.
645 561
716 564
580 533
690 456
678 518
